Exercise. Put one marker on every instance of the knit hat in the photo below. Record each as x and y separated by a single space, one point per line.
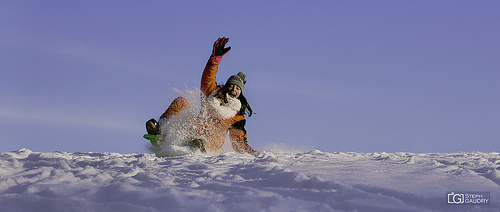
239 80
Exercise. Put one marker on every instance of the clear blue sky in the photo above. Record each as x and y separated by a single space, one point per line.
362 76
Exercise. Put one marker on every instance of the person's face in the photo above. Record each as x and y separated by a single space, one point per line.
234 91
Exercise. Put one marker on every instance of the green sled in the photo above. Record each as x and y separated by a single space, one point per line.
154 139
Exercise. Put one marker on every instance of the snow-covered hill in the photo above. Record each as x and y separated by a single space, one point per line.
267 181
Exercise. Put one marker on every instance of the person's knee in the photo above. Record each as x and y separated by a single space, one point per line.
180 102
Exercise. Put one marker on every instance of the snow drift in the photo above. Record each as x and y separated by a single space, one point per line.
266 181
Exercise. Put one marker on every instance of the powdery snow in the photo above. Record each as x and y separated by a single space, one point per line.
266 181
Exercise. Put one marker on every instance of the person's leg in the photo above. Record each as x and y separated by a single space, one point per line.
178 105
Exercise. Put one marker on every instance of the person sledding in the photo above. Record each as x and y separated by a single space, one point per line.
223 109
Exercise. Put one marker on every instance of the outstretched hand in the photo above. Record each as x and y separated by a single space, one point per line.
219 49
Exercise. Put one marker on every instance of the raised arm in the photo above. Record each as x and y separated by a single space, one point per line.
208 79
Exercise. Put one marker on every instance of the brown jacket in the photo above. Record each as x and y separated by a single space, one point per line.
219 128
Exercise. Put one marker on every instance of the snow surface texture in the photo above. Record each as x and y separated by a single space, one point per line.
266 181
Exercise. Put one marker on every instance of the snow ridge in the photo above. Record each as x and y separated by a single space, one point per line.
267 181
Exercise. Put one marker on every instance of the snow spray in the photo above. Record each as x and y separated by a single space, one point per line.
185 126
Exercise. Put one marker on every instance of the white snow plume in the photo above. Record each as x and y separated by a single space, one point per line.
177 131
266 181
190 123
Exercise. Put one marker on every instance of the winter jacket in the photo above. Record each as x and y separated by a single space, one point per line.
220 128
